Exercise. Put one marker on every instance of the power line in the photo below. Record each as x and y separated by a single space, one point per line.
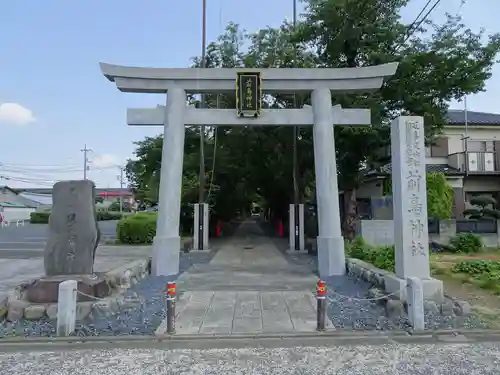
414 25
411 26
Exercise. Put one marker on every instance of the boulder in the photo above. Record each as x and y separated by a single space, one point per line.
73 231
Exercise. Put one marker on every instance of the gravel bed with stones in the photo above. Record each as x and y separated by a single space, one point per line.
350 310
393 359
141 315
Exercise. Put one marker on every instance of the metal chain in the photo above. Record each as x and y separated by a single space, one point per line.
89 296
105 299
365 299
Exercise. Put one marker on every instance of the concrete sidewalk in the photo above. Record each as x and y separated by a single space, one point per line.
248 287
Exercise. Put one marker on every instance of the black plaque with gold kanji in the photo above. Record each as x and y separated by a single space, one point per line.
248 94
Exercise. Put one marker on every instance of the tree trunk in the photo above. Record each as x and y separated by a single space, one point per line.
350 215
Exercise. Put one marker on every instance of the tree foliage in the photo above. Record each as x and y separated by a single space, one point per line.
437 63
439 197
483 208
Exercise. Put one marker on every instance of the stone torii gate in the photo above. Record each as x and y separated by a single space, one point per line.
176 83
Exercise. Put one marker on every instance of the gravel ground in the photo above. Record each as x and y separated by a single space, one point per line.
456 359
349 309
141 316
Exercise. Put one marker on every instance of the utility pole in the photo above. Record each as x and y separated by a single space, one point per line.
85 151
201 197
120 178
295 128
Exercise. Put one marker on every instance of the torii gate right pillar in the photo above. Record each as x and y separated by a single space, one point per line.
331 255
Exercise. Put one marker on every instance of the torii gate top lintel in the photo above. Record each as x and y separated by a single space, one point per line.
196 80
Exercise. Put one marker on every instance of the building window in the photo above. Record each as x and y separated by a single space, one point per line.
480 146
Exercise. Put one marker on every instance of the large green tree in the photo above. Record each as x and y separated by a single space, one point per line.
437 63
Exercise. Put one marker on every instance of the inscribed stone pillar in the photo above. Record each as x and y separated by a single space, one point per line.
411 237
167 242
331 257
73 235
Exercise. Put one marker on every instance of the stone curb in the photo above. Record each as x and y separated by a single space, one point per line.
243 341
14 307
394 307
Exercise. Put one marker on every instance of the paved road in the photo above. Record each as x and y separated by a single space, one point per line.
430 359
33 236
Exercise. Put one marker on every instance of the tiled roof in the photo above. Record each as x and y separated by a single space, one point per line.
439 168
457 117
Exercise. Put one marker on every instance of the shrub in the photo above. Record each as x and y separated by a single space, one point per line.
466 243
39 217
477 267
43 217
137 229
483 273
106 215
380 256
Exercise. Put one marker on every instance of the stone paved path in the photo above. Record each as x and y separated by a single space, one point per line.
248 287
16 267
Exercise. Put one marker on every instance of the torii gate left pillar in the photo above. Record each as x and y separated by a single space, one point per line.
176 82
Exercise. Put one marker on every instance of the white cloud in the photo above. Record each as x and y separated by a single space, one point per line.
105 161
15 114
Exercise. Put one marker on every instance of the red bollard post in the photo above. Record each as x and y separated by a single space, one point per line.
217 229
171 294
280 229
321 305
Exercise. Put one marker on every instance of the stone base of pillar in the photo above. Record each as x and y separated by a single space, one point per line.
166 256
200 227
432 288
331 256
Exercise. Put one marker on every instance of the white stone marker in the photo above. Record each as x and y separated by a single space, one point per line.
409 195
415 295
200 230
296 229
66 308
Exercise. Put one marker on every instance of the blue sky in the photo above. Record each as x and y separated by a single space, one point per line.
59 101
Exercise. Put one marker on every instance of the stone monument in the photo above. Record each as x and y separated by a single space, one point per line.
409 195
72 243
73 235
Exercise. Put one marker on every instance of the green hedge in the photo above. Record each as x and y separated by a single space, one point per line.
39 217
106 215
43 217
137 229
380 256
